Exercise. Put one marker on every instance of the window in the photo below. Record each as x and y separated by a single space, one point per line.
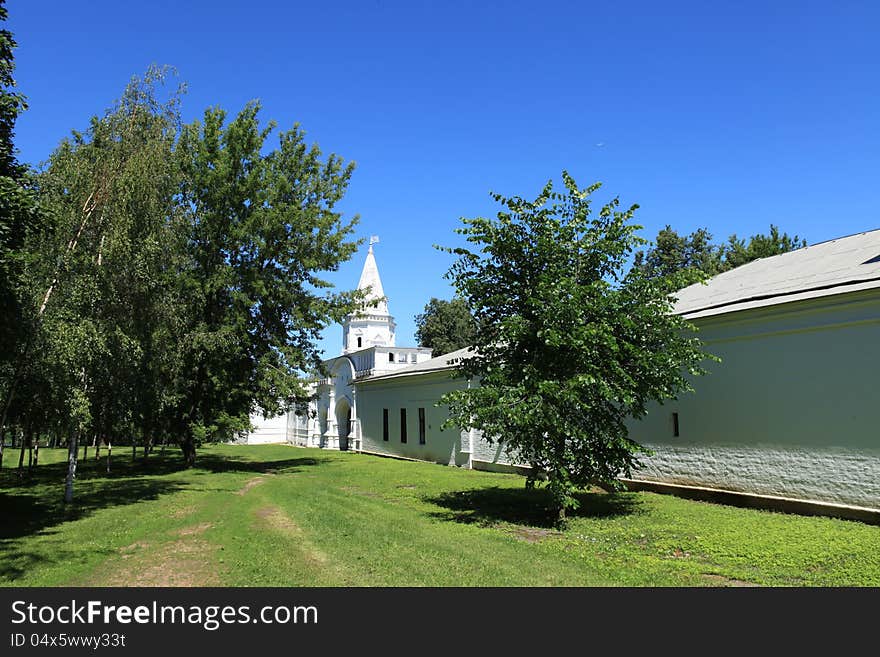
403 425
390 357
385 424
675 424
421 426
359 343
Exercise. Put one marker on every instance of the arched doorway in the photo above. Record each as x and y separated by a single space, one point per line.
343 422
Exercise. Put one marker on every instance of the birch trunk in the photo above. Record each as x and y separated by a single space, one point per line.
109 454
87 211
21 455
71 467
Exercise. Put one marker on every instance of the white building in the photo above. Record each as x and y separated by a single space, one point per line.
793 408
792 411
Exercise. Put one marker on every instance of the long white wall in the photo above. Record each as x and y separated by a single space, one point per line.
272 430
412 393
792 410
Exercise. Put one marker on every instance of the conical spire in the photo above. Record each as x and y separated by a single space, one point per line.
371 326
370 279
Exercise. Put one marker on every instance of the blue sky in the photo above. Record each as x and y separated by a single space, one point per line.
725 115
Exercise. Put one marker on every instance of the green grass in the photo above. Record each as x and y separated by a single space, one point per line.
283 516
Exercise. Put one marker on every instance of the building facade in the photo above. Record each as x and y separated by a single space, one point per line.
792 410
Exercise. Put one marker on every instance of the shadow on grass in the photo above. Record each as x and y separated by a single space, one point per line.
33 503
519 506
40 509
123 467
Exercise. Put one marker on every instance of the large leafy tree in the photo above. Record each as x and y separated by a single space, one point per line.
260 228
98 265
570 342
17 206
445 326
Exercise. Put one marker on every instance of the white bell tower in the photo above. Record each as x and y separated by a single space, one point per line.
372 325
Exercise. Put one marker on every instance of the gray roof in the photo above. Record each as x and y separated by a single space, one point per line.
837 266
437 364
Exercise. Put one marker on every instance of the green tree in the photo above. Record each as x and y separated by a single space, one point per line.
260 228
99 265
445 326
569 345
694 255
17 207
737 252
697 257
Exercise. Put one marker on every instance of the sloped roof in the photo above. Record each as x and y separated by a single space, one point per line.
444 362
834 267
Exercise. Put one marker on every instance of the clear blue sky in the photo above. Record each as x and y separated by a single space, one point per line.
728 115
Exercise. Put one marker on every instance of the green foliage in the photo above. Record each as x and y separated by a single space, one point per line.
170 284
12 103
258 229
569 346
445 326
693 255
737 252
17 207
698 258
96 273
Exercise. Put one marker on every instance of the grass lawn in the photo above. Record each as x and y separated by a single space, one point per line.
284 516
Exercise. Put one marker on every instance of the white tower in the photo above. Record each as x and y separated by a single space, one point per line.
371 326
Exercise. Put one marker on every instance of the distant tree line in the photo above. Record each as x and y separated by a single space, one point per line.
699 258
160 281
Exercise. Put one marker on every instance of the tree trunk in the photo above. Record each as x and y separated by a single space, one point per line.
188 446
21 455
2 443
97 449
36 453
71 467
109 454
164 444
85 449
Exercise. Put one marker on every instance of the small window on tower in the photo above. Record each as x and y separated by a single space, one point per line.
359 343
675 424
390 357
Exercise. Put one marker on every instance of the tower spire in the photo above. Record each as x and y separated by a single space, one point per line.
370 280
372 325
